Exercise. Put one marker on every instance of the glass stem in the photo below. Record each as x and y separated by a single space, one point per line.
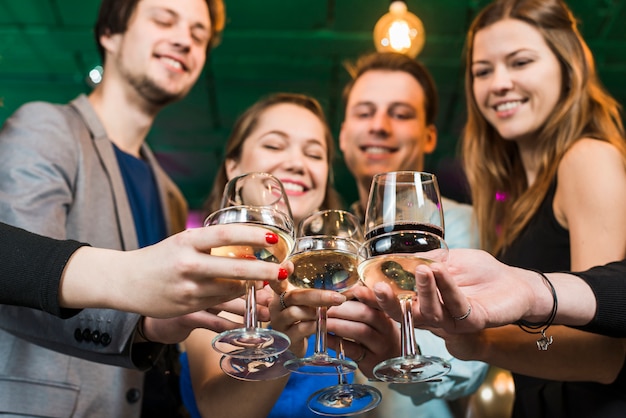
320 332
407 333
341 355
250 313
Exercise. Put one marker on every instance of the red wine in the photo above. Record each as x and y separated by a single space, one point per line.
392 254
402 238
433 229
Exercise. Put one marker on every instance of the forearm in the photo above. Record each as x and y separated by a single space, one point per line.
573 356
576 301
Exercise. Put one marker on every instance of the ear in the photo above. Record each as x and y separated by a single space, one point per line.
430 139
110 43
342 137
232 168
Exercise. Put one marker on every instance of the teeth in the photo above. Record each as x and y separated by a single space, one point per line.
293 187
376 150
173 63
508 106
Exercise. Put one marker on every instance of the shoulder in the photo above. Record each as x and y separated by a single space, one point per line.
589 153
456 209
38 118
461 227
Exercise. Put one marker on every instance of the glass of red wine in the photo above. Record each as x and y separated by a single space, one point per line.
257 199
404 228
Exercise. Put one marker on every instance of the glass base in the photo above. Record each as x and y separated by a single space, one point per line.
321 364
267 368
251 343
411 369
344 400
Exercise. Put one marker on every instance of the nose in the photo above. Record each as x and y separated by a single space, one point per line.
294 162
501 81
181 37
380 125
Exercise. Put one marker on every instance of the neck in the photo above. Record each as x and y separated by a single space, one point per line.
126 117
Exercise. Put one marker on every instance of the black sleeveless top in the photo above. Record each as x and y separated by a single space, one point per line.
544 245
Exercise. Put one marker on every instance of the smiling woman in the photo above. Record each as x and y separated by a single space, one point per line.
285 135
544 153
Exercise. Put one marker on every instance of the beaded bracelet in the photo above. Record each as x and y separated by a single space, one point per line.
541 327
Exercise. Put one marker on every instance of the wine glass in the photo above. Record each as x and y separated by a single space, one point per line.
404 228
257 199
344 399
325 257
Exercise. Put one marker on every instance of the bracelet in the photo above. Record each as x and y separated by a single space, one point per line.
139 329
541 327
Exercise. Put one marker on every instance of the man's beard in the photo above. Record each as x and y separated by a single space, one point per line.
152 92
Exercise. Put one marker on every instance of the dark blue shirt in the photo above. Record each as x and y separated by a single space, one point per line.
144 199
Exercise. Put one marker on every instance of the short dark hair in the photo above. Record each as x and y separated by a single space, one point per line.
114 15
392 61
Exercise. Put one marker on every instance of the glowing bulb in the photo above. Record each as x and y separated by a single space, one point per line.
399 31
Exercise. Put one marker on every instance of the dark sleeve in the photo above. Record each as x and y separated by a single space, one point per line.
608 283
31 269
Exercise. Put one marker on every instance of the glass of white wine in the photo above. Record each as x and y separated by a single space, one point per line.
326 256
256 199
404 228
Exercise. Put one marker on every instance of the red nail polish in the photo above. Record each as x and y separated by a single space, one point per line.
282 274
271 238
265 283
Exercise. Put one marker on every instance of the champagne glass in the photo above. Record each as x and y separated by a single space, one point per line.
404 228
325 257
344 399
256 199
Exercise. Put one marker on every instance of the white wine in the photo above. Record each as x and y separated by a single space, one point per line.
324 269
276 253
398 270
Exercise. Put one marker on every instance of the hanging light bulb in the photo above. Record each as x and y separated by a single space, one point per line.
399 31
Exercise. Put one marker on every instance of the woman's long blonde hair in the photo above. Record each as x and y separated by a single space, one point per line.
503 201
247 122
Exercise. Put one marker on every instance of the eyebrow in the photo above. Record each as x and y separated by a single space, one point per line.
509 55
195 25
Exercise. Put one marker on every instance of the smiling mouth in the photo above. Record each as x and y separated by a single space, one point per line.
293 187
178 65
377 150
503 107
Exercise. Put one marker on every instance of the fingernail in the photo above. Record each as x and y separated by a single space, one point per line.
338 298
282 273
421 277
265 283
271 238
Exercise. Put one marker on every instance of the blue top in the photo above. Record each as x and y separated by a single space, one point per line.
143 197
292 401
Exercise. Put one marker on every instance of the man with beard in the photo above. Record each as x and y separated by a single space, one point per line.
82 171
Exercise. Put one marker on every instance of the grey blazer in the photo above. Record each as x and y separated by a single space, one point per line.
59 177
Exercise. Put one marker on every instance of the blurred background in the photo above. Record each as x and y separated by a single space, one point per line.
47 52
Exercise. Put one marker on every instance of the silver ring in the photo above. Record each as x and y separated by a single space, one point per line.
281 298
362 356
465 315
